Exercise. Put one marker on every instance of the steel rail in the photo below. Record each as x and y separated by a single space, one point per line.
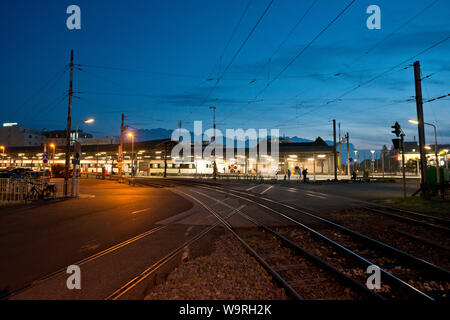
160 263
392 277
319 261
411 220
250 250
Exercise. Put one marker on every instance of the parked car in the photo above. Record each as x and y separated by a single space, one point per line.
21 171
60 173
39 174
9 175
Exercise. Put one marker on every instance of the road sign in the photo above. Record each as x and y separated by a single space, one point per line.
45 161
120 157
45 155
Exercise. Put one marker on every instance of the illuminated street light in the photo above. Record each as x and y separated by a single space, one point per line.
53 154
90 120
373 162
131 135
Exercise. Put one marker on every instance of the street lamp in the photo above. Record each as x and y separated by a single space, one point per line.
435 147
214 126
356 154
53 154
373 162
75 172
90 120
131 135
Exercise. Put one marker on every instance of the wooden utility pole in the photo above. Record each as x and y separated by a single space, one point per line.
348 156
214 126
339 151
402 146
69 124
334 149
122 129
420 126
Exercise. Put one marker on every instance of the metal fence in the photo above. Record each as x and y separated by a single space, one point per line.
28 190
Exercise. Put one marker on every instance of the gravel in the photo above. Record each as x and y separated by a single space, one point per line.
229 273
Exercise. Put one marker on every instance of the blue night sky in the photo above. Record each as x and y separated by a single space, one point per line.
158 62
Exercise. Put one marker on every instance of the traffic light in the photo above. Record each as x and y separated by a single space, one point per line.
396 143
397 131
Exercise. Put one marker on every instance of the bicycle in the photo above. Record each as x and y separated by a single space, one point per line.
36 193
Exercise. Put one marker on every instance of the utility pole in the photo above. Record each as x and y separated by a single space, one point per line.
165 159
382 161
339 152
69 124
420 126
402 138
348 156
214 126
334 150
122 129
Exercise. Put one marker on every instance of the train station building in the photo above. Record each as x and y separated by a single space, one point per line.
154 157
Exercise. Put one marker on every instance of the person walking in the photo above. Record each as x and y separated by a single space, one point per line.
289 174
305 173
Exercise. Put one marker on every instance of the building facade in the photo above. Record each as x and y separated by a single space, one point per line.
154 157
18 136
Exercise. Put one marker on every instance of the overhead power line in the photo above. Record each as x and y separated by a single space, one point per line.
47 85
394 32
306 47
234 56
168 74
301 52
438 98
236 27
389 70
289 35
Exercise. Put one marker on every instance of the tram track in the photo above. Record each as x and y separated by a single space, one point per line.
435 278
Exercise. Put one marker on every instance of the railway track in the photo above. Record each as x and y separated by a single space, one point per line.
416 277
303 274
416 218
151 270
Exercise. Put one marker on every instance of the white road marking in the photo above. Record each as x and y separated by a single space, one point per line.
252 187
188 231
270 187
315 195
138 211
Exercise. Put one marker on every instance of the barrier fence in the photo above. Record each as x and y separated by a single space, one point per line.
28 190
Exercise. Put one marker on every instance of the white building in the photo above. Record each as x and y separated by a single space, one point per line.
13 135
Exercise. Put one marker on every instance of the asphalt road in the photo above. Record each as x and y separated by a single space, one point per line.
38 240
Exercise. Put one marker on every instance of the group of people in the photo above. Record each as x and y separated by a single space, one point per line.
304 174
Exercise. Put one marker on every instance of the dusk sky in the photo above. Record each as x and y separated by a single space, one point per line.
159 61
